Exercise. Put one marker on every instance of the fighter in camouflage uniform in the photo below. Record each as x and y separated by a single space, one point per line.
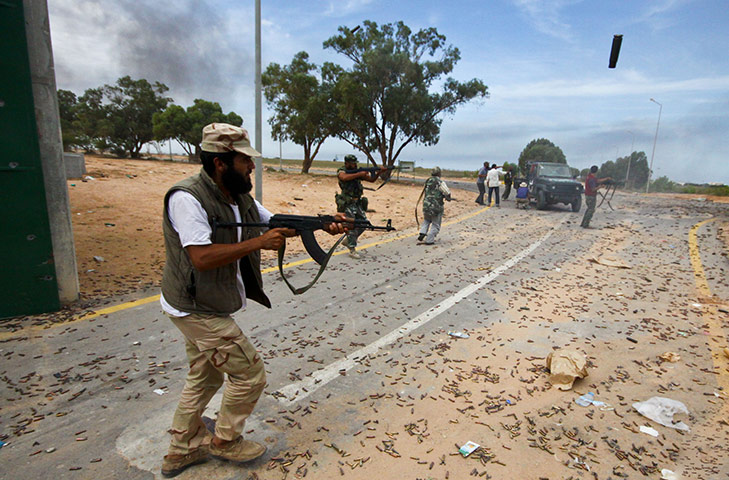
350 201
435 192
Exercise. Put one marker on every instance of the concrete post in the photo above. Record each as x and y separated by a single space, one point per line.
43 77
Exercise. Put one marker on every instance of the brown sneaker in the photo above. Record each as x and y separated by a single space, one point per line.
238 450
173 465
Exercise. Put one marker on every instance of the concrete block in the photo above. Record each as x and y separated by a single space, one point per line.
75 164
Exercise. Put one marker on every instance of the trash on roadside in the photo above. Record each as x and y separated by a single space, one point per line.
98 258
631 340
159 391
609 262
670 357
136 343
585 400
107 224
2 444
50 450
458 334
468 448
589 399
661 410
86 178
565 366
649 430
667 474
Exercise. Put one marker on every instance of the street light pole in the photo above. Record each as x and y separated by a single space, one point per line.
655 139
630 157
259 135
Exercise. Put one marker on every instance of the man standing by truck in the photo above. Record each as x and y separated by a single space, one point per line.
592 183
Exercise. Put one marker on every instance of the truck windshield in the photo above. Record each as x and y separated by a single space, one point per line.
555 171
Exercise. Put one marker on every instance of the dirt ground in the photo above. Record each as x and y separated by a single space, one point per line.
117 217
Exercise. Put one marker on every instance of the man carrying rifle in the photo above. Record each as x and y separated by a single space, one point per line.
209 275
350 201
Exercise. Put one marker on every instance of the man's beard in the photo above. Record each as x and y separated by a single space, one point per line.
236 183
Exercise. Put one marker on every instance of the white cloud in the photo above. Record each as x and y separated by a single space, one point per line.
545 15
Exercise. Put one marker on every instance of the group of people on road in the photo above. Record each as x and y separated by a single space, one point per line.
488 176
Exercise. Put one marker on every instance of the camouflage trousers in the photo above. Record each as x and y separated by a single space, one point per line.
354 210
590 201
215 346
431 226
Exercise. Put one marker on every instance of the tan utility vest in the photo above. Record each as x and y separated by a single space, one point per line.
213 291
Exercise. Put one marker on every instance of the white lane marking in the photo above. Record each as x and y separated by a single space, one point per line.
297 391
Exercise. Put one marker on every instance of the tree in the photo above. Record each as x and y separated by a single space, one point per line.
67 106
132 104
618 170
383 102
91 121
662 184
304 113
540 150
186 126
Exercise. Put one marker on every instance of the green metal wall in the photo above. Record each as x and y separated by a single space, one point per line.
27 276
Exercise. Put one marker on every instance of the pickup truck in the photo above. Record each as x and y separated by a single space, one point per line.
551 183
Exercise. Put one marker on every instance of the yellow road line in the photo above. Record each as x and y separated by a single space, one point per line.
154 298
717 336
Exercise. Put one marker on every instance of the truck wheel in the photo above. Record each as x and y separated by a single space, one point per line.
577 204
541 200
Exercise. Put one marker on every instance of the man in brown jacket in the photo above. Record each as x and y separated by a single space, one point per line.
209 274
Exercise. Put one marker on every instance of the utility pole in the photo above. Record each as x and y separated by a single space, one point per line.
630 157
258 160
655 139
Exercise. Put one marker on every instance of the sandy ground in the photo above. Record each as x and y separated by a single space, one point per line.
117 216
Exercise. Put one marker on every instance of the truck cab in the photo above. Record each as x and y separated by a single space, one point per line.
551 183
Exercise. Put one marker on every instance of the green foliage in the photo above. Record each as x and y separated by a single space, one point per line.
663 184
186 126
384 101
303 112
718 190
67 106
132 104
540 150
91 121
618 170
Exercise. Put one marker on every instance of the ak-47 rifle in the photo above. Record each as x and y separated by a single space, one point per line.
373 170
305 227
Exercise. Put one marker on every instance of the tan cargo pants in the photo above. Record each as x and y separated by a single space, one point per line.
215 345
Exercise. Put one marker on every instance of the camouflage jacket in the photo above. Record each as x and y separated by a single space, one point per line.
435 192
351 191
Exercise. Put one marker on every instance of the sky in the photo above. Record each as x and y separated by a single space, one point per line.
545 63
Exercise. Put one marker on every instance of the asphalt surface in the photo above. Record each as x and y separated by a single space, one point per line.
79 401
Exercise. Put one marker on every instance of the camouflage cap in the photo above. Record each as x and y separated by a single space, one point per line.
435 172
223 137
350 158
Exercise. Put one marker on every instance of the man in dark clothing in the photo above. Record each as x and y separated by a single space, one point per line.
592 183
508 180
480 183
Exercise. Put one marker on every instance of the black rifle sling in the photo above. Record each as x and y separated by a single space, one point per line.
322 265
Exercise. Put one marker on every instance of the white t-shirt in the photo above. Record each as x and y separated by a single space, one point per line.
492 178
190 221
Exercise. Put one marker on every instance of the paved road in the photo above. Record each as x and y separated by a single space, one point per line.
79 399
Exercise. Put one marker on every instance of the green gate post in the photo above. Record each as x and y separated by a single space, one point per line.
29 279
